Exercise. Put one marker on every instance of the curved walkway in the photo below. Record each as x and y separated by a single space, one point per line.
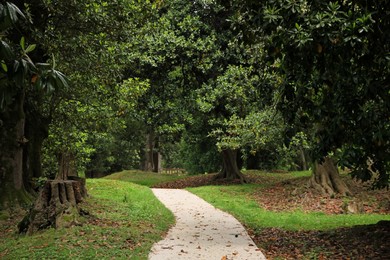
201 231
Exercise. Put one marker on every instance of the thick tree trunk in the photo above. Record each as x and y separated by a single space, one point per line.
326 179
230 170
56 206
12 143
36 131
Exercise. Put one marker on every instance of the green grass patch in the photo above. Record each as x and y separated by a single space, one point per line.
236 200
144 178
128 220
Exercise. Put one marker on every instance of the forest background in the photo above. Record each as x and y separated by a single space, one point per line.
209 86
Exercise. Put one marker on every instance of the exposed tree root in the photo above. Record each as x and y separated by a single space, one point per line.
326 179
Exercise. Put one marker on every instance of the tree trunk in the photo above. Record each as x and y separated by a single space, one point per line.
36 131
149 147
12 143
56 206
326 179
230 170
303 159
152 159
157 157
67 166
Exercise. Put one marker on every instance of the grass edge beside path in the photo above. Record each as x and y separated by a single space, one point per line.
300 235
126 220
236 200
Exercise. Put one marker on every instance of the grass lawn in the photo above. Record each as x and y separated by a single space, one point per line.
237 200
283 218
126 220
144 178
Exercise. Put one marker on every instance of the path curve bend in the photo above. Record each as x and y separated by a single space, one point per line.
201 231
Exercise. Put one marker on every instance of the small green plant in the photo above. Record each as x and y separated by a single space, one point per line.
39 182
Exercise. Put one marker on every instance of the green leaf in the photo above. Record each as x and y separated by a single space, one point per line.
4 66
61 79
23 43
43 65
30 48
54 62
5 50
49 87
13 10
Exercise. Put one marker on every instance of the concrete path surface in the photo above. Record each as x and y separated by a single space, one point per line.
201 231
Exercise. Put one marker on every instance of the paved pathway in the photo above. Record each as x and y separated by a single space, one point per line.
201 231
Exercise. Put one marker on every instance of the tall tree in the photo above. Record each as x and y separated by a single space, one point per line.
20 77
172 51
92 43
333 58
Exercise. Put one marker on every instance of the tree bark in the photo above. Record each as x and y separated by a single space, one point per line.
326 179
230 170
67 166
157 157
12 143
37 130
152 159
56 206
303 159
149 147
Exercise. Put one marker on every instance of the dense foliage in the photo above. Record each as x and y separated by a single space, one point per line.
278 83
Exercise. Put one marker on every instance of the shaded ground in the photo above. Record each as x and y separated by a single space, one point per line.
286 194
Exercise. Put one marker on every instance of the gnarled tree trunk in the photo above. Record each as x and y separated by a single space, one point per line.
326 179
56 206
230 170
57 203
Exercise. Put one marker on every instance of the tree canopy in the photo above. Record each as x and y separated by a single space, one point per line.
291 79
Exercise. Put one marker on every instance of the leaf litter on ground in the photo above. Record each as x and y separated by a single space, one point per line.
281 192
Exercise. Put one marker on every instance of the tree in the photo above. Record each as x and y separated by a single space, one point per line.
19 77
92 44
333 58
86 43
256 132
172 53
231 96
